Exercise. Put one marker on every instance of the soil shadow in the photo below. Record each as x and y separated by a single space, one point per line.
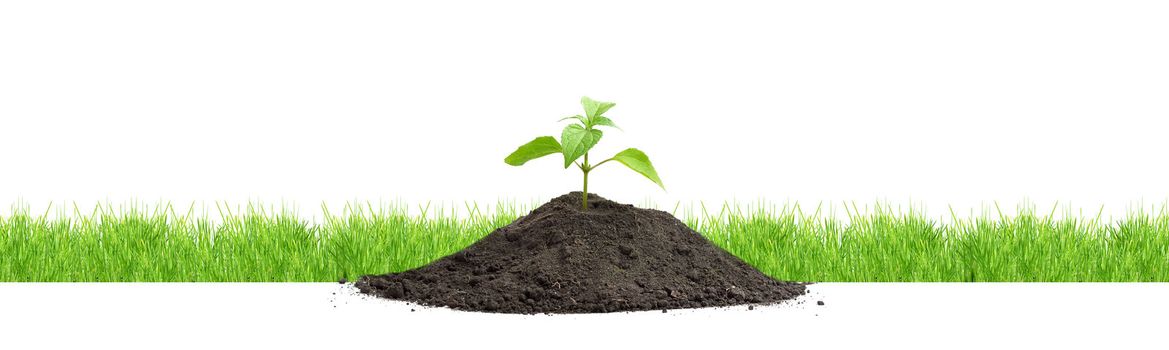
562 259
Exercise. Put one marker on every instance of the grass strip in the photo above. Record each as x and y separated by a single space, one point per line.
254 244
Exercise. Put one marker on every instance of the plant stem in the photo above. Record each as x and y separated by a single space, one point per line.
584 197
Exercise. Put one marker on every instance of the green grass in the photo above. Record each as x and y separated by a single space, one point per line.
883 246
136 243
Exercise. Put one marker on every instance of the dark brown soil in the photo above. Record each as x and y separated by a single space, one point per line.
561 259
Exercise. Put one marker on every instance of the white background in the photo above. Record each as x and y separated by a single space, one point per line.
928 103
855 316
914 102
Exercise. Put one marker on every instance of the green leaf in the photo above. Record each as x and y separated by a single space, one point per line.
577 141
582 120
595 108
541 146
605 121
639 162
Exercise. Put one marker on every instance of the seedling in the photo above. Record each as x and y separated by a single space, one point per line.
575 142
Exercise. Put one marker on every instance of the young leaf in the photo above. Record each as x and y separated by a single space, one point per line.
539 147
594 108
577 141
639 162
605 121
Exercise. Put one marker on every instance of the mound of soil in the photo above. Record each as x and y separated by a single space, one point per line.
561 259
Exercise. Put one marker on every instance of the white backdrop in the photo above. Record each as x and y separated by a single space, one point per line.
914 102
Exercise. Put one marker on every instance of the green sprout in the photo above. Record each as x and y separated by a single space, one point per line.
577 139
